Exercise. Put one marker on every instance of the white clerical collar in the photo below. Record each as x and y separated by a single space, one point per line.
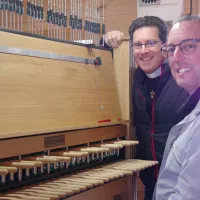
155 74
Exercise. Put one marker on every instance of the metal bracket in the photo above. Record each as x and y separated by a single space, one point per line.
47 55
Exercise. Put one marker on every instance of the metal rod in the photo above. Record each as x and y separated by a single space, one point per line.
2 13
90 33
39 17
22 12
10 6
48 17
27 12
81 20
32 28
54 16
6 8
65 31
71 16
57 14
103 19
48 55
14 13
60 19
51 23
42 16
35 17
98 20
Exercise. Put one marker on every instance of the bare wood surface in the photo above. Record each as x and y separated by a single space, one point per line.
26 145
42 95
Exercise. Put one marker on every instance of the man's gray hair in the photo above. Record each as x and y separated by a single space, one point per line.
194 18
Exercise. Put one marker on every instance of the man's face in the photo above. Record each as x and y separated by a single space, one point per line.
148 59
185 67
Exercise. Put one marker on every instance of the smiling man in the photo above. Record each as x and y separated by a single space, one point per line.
156 96
179 173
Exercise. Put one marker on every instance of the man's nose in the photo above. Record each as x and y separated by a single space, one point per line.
143 49
178 54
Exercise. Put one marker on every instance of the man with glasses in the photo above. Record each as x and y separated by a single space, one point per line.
180 169
156 96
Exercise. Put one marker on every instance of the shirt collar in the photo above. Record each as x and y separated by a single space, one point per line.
156 73
191 109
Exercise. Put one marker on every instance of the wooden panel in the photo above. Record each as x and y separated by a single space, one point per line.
124 75
120 14
42 95
32 144
195 7
106 85
44 45
121 64
45 94
140 189
98 134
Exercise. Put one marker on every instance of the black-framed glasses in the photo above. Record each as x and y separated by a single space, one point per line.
148 44
186 47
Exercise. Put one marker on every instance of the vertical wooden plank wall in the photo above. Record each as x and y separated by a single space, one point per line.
119 14
195 7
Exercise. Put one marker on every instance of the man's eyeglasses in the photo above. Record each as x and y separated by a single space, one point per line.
149 44
186 47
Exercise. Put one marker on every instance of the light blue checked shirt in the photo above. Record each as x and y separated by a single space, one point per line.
179 177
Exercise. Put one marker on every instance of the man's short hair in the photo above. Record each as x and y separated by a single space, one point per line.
150 21
193 18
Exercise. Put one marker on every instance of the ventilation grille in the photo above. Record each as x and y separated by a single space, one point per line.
148 2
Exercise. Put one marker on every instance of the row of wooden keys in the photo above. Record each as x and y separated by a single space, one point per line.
73 184
33 165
